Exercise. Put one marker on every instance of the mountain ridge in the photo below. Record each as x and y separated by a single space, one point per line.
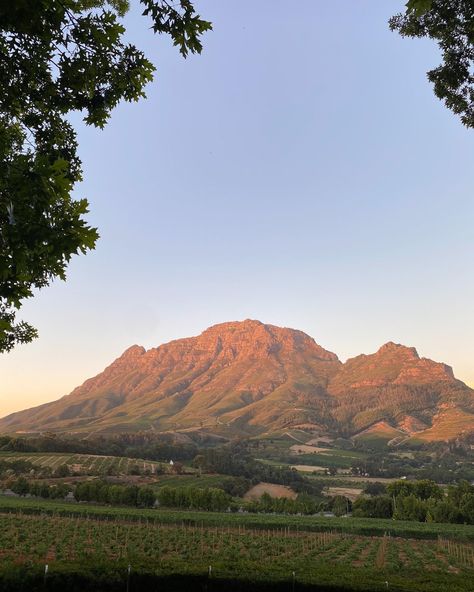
249 378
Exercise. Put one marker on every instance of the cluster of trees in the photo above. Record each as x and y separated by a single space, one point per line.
421 501
303 504
236 486
24 487
123 495
88 491
210 498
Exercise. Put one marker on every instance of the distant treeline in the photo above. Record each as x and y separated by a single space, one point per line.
210 499
425 465
421 501
194 498
303 504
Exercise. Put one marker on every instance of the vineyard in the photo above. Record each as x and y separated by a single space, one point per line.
281 554
352 526
84 463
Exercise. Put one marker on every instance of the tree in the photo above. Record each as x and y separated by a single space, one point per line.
146 497
62 471
451 24
424 489
59 56
375 488
166 496
373 507
21 486
340 505
199 462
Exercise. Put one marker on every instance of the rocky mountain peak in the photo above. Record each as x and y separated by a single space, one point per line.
398 349
254 338
134 351
248 377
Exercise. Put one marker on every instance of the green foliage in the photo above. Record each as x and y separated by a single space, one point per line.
304 504
24 487
180 21
236 486
421 501
376 488
57 57
210 499
373 507
341 505
21 486
424 489
125 495
451 24
419 7
62 471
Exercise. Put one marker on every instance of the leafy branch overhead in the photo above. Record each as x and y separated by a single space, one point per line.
451 24
59 56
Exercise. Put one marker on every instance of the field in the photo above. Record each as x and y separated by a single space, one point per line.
272 489
195 480
354 526
237 553
284 450
90 464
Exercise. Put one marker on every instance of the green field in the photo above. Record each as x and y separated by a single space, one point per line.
87 463
235 553
195 480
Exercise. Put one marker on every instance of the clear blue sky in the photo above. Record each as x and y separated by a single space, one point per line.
300 171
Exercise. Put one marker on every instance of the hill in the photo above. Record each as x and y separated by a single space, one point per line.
249 378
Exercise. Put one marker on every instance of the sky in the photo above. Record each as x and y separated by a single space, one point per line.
300 172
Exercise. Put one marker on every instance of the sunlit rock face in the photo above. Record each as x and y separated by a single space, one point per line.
245 378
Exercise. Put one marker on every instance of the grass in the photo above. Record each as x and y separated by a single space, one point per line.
190 481
326 460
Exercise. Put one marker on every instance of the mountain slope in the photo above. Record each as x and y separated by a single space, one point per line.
249 378
396 385
247 373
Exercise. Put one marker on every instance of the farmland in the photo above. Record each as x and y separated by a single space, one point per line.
271 554
353 526
91 464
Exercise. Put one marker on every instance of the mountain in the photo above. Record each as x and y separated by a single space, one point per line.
395 387
245 378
